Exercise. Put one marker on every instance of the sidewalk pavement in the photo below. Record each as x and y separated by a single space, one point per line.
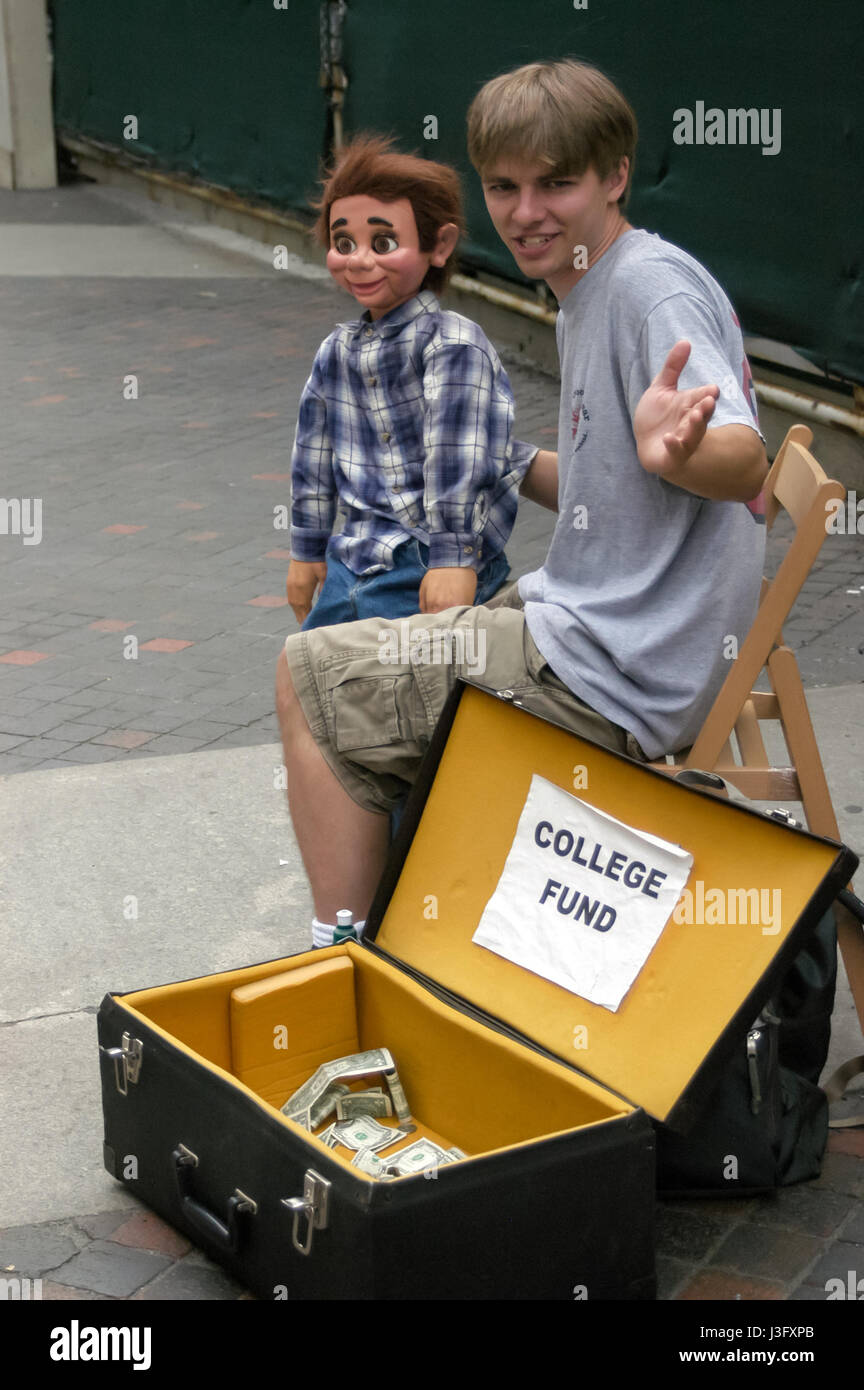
158 525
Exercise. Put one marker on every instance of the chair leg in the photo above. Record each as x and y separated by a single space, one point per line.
801 742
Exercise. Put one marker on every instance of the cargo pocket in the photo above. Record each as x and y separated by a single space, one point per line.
365 714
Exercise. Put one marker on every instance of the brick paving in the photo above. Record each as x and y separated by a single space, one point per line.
148 619
783 1246
128 621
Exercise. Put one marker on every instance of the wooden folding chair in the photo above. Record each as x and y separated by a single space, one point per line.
797 484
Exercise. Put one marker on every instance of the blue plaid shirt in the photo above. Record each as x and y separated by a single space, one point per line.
406 423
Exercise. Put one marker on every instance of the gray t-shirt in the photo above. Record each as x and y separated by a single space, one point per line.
646 588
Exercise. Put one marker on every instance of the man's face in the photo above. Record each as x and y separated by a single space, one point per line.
542 220
375 252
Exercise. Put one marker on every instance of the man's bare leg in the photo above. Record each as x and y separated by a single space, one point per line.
344 846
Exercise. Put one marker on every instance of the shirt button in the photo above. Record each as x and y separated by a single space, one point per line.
368 332
384 438
469 550
373 381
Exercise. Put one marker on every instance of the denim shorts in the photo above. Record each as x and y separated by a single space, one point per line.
395 593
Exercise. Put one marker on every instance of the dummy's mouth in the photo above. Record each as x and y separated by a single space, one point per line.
365 285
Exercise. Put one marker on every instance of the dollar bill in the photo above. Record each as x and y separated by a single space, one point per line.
308 1095
356 1103
368 1161
329 1138
301 1117
357 1064
364 1132
400 1100
417 1157
360 1064
328 1103
456 1153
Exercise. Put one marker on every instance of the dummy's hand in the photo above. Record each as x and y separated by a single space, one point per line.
669 424
304 576
447 588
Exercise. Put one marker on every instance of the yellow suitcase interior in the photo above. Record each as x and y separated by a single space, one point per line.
466 1084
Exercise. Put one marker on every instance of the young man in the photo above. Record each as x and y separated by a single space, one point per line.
407 416
656 558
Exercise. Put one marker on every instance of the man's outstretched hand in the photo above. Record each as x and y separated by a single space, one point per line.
669 424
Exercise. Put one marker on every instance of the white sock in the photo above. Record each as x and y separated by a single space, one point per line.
322 932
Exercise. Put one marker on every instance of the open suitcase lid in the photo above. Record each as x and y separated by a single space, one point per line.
701 986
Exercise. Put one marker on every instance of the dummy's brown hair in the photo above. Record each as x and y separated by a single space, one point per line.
370 165
566 114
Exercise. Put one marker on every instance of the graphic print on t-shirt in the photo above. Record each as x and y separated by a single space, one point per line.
579 416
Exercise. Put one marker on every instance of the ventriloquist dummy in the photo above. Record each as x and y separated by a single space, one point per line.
405 424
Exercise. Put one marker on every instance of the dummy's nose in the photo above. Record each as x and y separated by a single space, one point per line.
361 258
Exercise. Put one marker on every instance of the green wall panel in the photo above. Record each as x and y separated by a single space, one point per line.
783 232
224 89
229 90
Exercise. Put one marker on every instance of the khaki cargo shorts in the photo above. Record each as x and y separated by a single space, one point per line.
372 691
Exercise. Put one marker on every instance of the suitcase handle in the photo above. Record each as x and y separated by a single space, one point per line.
226 1234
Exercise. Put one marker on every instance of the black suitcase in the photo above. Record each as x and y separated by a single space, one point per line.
556 1198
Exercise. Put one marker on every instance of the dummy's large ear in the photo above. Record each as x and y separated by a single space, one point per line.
448 235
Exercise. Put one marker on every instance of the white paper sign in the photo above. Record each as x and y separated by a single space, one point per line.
583 897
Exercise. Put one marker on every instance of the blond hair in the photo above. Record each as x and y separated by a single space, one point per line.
566 114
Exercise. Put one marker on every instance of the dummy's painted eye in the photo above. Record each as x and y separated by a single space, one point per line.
382 242
344 244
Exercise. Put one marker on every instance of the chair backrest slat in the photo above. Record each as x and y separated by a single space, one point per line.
798 434
798 485
798 482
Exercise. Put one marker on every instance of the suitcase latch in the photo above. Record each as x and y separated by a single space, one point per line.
314 1204
127 1062
777 813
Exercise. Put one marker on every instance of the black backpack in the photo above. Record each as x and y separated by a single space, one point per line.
765 1123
